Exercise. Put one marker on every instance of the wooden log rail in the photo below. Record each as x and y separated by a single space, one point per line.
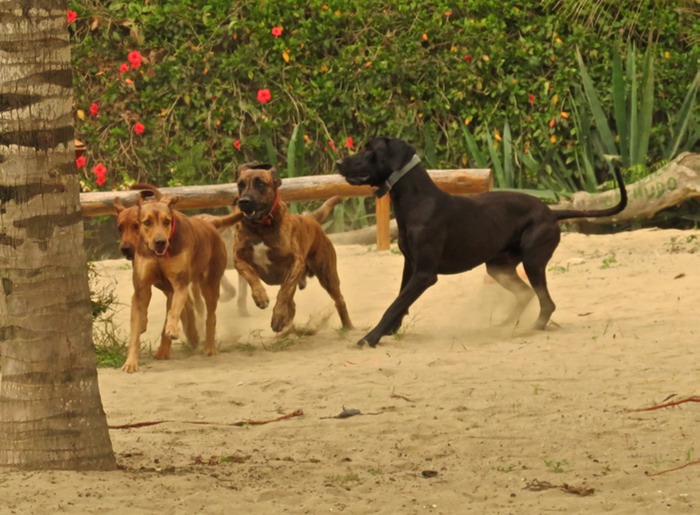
312 187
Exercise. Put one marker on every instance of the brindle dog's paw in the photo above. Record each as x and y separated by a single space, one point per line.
261 299
280 321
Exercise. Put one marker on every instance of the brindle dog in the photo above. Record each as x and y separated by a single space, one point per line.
278 247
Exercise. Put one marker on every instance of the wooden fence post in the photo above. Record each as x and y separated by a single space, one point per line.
383 213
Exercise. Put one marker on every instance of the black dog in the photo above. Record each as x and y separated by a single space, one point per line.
446 234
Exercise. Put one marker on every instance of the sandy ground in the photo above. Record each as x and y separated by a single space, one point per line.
458 415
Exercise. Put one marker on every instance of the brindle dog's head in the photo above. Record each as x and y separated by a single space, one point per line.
257 190
374 163
156 219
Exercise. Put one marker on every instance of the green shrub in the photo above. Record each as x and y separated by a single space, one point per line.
346 69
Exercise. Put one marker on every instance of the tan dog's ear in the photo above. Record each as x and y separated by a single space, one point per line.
118 205
170 200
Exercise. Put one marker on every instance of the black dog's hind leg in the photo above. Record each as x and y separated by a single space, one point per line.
537 248
538 279
504 273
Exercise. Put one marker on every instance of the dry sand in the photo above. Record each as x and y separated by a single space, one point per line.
502 419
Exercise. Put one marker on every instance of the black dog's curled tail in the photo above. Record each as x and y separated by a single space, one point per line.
566 214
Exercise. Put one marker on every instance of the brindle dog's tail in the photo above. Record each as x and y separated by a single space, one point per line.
566 214
323 213
142 186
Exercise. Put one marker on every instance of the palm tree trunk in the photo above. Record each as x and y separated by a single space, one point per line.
51 414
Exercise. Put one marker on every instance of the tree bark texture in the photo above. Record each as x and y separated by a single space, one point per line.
51 414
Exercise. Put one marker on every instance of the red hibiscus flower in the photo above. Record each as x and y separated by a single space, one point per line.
277 31
80 162
139 128
468 58
71 16
124 68
237 144
94 109
531 99
349 143
100 172
135 58
264 96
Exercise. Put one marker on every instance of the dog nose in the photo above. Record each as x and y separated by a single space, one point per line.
160 244
245 204
127 252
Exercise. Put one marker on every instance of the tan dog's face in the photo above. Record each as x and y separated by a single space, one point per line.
155 220
257 189
128 227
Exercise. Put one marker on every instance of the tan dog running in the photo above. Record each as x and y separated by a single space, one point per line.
128 227
278 247
178 250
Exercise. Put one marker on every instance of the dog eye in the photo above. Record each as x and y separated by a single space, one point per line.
166 222
135 227
147 223
241 185
259 184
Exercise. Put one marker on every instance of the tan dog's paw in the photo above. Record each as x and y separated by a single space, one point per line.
172 331
130 366
210 351
162 353
260 297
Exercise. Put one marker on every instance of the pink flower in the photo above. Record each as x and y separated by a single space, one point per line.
264 96
237 144
139 128
277 31
71 16
100 172
135 58
468 58
94 109
531 99
349 143
80 162
124 68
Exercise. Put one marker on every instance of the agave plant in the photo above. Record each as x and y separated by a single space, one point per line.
633 111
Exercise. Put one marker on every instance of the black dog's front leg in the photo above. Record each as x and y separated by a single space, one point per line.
406 276
417 284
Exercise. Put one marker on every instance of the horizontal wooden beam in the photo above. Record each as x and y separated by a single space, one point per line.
311 187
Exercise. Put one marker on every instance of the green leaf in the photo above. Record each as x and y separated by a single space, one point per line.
601 121
684 116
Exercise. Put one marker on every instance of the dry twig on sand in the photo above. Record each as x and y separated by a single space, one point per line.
297 413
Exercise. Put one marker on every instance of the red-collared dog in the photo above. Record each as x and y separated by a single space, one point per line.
177 250
282 248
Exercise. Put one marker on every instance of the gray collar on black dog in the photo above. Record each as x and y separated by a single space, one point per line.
396 176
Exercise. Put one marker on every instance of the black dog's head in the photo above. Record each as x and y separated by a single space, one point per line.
373 165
